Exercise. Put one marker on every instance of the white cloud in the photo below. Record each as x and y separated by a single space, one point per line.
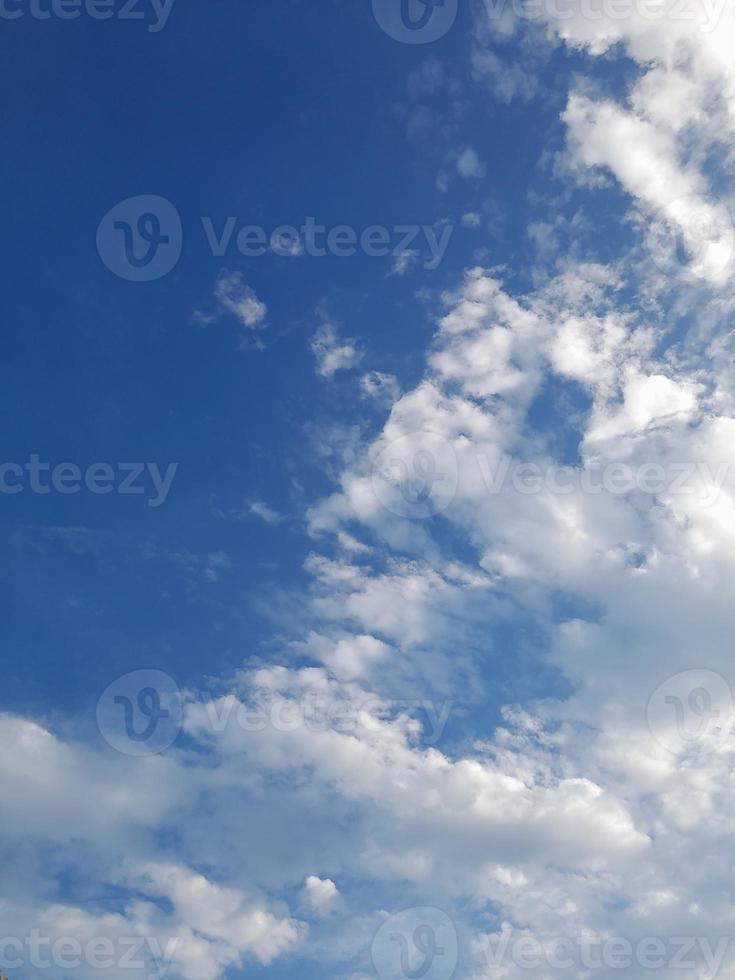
471 220
260 509
234 296
383 388
469 164
333 353
223 915
319 895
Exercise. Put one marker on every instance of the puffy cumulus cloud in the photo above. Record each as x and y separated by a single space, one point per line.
57 939
648 400
488 343
234 924
489 805
348 657
319 895
209 931
50 783
100 816
647 563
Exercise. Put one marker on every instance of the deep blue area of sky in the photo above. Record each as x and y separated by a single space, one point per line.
270 111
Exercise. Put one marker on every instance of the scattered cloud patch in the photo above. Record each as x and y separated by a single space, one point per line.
332 352
469 164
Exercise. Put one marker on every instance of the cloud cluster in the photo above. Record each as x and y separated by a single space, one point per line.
549 816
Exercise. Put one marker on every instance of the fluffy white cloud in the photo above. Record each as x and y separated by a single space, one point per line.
320 895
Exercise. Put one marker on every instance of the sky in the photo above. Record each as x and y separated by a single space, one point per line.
367 489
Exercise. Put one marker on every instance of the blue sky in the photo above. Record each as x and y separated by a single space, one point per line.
453 527
289 113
